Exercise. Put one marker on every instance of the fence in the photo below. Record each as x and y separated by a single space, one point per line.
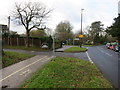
36 42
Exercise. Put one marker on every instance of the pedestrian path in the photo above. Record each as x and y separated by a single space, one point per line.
63 48
14 75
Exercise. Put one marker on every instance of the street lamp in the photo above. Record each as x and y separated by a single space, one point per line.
81 28
53 37
9 30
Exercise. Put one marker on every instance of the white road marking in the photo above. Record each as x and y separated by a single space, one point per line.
89 57
108 54
25 73
105 52
22 69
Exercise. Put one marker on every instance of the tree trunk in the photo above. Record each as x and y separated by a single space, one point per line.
27 39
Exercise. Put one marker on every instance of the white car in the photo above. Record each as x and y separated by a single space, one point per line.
108 45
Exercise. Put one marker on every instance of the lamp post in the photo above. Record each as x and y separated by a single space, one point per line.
8 24
81 28
9 30
53 37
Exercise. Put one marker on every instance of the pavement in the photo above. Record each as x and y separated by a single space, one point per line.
106 60
63 48
13 76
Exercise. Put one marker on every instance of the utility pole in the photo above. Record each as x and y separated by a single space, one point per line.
81 28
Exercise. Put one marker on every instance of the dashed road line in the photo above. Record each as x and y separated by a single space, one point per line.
105 52
23 68
108 54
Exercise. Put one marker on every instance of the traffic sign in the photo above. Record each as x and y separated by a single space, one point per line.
80 36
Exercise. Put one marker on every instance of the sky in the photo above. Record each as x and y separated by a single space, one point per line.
70 10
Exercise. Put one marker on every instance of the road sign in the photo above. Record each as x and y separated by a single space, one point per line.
80 36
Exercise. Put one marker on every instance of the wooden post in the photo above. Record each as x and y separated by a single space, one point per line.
17 41
39 43
25 41
10 41
32 42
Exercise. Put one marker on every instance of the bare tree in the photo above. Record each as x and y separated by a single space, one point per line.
30 15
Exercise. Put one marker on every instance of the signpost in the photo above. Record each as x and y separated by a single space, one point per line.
81 36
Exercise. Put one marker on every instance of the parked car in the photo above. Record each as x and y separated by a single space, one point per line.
117 48
112 47
108 45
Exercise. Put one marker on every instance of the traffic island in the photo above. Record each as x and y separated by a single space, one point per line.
75 50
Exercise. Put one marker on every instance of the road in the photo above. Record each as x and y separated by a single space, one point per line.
106 60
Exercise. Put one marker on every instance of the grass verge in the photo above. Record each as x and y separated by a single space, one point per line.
75 49
12 57
25 48
64 72
91 45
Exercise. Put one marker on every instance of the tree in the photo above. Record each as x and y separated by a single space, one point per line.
37 33
114 29
95 29
49 31
63 31
30 15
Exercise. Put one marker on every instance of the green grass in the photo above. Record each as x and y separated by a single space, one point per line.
25 48
75 49
65 72
12 57
91 45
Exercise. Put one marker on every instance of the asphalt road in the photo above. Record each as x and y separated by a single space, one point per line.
107 61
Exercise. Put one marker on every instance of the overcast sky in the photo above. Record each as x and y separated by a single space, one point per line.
94 10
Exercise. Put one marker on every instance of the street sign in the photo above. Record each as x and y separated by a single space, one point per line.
80 36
